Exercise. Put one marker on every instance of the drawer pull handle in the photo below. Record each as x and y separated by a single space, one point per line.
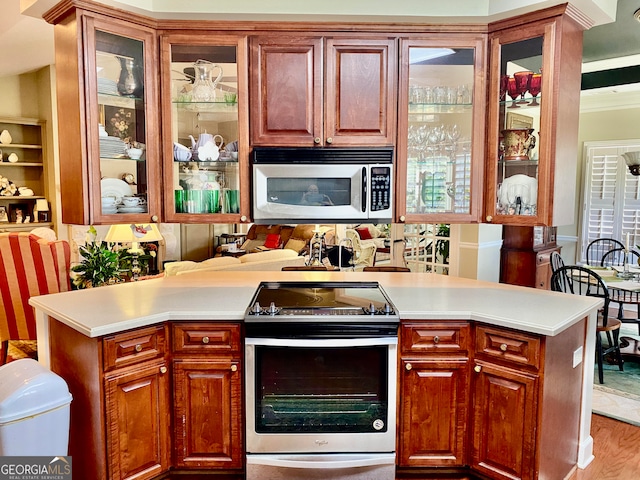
436 339
138 348
316 140
408 366
234 368
163 369
503 347
329 140
205 340
477 369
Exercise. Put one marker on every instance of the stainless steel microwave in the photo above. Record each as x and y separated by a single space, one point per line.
311 185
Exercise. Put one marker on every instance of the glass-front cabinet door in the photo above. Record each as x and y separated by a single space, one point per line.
533 111
122 129
440 130
205 131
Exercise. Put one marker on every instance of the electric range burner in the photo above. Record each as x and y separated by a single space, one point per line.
332 301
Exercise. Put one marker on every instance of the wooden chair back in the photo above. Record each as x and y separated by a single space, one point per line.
618 257
599 247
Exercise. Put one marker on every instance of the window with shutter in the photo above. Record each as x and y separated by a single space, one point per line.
611 195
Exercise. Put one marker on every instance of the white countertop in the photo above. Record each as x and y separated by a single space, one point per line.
226 295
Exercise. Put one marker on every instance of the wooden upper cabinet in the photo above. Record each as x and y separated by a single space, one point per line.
533 110
310 90
107 102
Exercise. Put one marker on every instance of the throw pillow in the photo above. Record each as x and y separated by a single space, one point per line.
295 244
272 241
364 233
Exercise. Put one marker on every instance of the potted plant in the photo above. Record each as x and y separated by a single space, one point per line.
101 264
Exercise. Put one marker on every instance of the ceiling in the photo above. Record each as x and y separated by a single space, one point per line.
27 41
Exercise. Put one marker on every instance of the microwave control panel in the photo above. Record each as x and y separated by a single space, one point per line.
380 188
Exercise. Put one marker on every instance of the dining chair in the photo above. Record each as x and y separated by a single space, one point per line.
555 259
364 253
599 247
386 268
579 280
618 257
29 266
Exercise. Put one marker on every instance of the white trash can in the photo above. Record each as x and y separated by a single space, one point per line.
34 410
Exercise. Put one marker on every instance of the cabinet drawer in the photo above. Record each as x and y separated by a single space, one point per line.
514 347
134 347
429 337
206 337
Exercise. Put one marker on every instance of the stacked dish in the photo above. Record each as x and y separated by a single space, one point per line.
107 86
112 147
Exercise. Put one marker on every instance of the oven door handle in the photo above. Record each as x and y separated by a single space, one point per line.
325 342
320 461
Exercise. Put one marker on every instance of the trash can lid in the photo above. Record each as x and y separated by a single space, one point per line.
27 388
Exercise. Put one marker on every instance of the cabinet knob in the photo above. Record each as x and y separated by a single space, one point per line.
401 218
316 140
154 218
243 218
234 368
503 347
489 218
205 339
330 140
436 339
408 366
477 369
163 369
138 348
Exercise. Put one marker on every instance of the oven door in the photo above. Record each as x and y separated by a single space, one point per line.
309 192
321 395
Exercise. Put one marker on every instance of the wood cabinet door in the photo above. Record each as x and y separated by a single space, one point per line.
360 92
433 412
137 417
207 413
286 90
504 422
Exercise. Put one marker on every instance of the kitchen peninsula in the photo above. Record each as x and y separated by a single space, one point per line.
539 346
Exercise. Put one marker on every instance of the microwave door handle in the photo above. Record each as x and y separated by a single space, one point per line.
364 189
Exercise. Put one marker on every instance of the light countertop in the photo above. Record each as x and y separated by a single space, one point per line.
226 296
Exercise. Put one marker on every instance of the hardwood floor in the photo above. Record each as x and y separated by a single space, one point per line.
616 447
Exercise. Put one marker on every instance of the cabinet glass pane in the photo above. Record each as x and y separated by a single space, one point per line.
205 128
439 130
520 99
121 130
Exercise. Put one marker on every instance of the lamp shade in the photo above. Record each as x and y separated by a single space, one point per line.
632 159
42 205
133 234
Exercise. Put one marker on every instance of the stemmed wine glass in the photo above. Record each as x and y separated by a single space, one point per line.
504 84
534 87
513 92
522 83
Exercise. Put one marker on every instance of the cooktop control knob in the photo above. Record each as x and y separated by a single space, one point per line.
256 310
387 309
273 310
372 309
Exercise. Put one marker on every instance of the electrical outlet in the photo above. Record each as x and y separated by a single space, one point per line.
577 357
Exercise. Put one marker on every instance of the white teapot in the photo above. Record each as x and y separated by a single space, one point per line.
210 150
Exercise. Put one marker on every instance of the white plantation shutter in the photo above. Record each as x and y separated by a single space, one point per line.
611 195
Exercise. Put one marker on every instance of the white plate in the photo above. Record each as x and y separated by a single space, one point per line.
138 209
114 187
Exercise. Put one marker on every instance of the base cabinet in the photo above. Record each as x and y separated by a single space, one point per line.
207 388
525 256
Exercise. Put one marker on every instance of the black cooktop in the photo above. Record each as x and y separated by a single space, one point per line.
336 300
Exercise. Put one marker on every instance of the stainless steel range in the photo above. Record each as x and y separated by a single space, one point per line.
321 361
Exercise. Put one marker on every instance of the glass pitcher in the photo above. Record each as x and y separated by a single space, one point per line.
204 88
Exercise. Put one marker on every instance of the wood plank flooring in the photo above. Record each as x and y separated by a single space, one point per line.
616 447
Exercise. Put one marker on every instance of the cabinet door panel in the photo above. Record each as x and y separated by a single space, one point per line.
138 423
286 93
360 92
433 412
208 425
504 423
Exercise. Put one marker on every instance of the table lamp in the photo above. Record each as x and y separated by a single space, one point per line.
133 234
41 212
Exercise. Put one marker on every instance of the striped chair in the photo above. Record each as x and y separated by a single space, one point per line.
29 266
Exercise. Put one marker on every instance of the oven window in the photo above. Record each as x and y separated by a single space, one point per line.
321 389
321 192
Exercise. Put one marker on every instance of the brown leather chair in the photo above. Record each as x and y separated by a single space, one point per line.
386 268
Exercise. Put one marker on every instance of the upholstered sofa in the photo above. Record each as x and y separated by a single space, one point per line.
271 260
290 237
